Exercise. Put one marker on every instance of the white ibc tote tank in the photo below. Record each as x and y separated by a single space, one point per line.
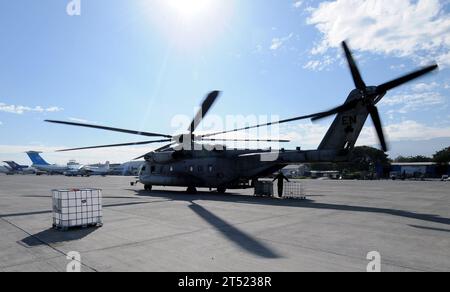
77 208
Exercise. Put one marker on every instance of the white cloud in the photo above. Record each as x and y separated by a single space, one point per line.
444 60
404 28
20 109
277 43
320 65
307 135
298 4
398 67
404 131
412 102
420 87
53 109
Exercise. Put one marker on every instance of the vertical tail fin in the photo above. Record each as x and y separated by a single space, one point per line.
360 104
6 168
346 128
36 158
14 165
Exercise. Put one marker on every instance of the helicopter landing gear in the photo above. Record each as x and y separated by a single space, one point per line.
191 190
148 187
221 190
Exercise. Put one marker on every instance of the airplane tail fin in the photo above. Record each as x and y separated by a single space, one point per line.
346 128
36 158
13 165
106 166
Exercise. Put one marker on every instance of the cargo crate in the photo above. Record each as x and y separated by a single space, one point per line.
293 190
264 188
77 208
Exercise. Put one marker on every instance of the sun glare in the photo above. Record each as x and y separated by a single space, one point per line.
190 8
190 24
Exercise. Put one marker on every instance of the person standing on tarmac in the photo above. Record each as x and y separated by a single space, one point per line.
280 183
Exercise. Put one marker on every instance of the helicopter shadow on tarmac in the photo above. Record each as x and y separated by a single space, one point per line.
249 243
305 204
240 238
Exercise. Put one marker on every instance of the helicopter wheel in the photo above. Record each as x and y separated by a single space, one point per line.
148 187
221 190
191 190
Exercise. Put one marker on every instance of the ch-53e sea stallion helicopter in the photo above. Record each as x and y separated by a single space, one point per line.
222 169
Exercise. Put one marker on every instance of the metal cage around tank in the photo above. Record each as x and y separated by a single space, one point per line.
293 190
74 208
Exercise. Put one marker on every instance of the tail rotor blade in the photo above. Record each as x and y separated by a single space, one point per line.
345 107
378 126
359 82
405 79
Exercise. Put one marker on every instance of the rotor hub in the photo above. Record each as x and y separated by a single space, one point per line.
182 138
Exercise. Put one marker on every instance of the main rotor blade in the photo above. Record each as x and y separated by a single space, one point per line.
345 107
157 150
378 126
203 111
259 126
359 82
147 134
165 147
247 140
116 145
407 78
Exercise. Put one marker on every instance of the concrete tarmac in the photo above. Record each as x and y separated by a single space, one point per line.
408 223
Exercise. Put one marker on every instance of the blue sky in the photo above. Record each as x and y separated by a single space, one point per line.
137 64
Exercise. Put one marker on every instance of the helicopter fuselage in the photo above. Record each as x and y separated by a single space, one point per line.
231 169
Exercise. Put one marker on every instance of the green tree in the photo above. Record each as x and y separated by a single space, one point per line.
443 156
363 158
411 159
323 166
